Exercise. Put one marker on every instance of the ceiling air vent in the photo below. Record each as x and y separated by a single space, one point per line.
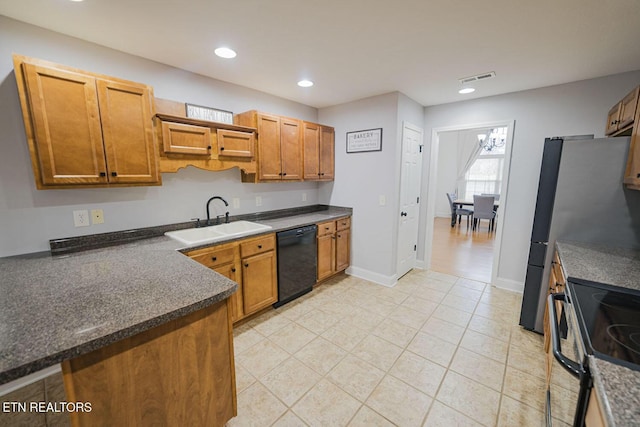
477 77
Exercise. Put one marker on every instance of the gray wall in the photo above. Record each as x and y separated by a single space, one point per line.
30 217
568 109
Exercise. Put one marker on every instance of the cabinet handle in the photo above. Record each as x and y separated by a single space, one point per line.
233 270
114 173
214 258
221 148
103 174
208 147
259 246
284 174
246 265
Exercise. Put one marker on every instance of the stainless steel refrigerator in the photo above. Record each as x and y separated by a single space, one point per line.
581 198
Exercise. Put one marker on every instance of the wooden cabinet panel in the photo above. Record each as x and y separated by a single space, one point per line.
269 166
257 245
186 139
232 272
216 256
613 119
343 224
127 131
319 145
326 255
84 129
66 126
628 107
259 280
291 149
179 373
311 137
343 249
326 228
594 416
327 155
235 144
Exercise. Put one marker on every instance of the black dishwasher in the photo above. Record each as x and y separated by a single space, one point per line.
297 263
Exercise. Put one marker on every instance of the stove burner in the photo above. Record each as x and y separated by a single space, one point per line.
627 336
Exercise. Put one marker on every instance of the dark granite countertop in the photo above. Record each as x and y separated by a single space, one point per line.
617 387
54 308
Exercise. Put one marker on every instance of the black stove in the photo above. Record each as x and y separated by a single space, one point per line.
609 319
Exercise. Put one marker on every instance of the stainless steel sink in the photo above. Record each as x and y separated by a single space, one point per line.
214 233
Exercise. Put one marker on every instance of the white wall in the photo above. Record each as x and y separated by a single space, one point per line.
568 109
447 171
30 217
361 178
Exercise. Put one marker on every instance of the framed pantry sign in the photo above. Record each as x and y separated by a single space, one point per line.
364 140
209 114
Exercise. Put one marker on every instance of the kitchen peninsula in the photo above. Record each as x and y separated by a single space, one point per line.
142 315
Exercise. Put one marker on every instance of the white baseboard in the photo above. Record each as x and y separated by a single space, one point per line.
509 285
371 276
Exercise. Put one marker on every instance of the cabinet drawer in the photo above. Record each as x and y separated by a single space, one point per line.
326 228
343 224
214 257
258 245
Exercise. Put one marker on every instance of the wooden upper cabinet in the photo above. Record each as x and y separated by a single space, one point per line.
67 143
319 143
291 149
621 116
182 138
327 153
86 129
127 131
311 151
235 144
269 166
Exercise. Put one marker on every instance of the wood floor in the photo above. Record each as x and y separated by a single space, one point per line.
462 252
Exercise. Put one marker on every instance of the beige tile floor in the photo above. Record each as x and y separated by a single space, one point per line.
434 350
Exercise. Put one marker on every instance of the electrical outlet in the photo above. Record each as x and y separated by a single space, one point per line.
81 218
382 200
258 200
304 197
97 216
236 203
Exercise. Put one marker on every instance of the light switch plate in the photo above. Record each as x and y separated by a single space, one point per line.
382 200
258 200
81 218
304 197
97 216
236 203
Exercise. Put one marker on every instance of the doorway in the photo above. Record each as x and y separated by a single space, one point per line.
459 247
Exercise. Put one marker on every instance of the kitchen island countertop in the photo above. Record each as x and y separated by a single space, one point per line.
618 387
55 308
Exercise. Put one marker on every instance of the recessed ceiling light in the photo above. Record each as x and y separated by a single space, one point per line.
466 90
305 83
225 52
77 1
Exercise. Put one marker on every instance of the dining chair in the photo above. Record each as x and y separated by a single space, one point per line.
483 209
495 195
457 211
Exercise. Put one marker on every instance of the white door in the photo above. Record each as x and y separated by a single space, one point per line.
411 174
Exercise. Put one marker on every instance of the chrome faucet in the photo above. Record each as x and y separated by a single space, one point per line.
226 215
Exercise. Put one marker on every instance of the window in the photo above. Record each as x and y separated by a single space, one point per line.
485 175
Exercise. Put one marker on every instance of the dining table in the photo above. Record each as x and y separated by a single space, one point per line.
460 203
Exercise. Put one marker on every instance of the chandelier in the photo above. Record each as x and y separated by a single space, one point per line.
496 139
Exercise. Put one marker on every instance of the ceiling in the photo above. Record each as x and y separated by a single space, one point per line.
354 49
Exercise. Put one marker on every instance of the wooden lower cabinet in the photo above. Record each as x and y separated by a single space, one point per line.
334 247
180 373
251 263
594 416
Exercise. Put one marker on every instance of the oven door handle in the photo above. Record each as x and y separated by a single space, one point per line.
574 368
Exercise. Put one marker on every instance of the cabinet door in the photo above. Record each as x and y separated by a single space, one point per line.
327 144
232 143
613 118
180 138
269 167
326 255
66 126
628 107
342 249
311 139
127 129
259 281
232 272
291 147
